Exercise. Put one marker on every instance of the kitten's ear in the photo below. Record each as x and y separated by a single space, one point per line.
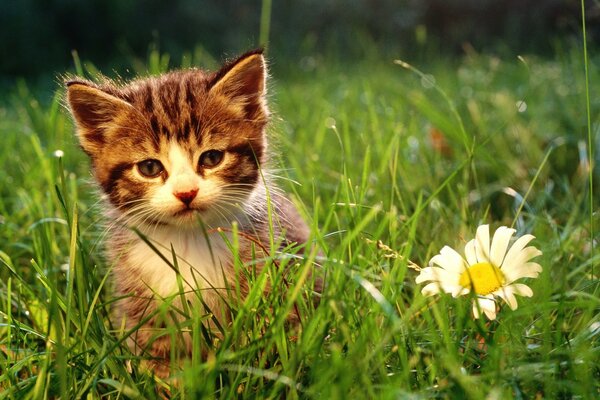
244 79
94 111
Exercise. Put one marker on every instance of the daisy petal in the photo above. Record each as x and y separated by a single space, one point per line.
516 262
450 260
527 270
482 243
522 290
511 300
431 289
507 294
430 274
518 245
485 304
491 314
459 291
470 252
500 244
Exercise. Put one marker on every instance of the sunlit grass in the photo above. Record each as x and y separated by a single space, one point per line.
388 166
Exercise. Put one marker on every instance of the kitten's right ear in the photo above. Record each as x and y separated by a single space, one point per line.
244 81
94 111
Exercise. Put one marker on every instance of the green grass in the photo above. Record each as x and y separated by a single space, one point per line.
356 154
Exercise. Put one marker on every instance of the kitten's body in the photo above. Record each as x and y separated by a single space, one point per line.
180 157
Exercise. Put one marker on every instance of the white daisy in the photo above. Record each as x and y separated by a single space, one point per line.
488 270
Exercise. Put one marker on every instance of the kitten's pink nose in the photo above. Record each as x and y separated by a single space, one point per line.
186 197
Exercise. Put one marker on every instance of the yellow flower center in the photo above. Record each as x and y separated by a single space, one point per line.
483 278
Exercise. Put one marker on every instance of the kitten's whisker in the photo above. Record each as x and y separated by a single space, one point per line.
149 213
132 213
137 213
223 213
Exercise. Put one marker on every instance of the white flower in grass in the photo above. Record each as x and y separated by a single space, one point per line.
488 270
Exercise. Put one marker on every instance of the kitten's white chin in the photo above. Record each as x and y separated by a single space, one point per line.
188 218
203 219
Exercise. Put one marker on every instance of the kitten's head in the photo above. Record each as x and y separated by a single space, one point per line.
171 148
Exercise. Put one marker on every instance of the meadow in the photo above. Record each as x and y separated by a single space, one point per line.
388 164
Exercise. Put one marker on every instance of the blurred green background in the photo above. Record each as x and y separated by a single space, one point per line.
37 37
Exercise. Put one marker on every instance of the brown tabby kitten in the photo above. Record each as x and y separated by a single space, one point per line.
168 152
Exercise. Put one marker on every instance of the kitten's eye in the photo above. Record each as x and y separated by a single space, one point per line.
210 158
150 168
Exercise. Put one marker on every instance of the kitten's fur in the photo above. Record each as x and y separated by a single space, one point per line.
180 119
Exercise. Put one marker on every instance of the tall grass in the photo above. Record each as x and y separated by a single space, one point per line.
590 143
388 166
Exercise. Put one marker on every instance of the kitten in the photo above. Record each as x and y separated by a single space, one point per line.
178 156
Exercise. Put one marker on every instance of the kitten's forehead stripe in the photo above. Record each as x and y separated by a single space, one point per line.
154 125
159 111
185 130
173 103
196 125
189 91
169 98
148 102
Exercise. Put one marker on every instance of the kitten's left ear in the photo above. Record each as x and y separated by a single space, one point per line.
94 111
244 79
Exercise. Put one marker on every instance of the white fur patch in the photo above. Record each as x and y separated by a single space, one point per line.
201 263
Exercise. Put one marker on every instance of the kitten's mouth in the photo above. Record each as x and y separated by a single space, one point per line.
188 212
187 217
